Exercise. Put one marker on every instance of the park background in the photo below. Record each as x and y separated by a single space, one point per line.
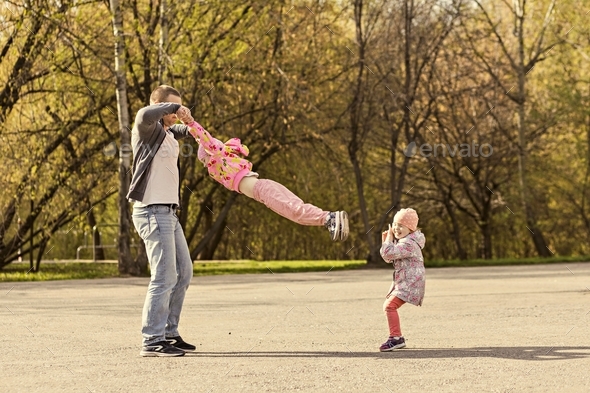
328 95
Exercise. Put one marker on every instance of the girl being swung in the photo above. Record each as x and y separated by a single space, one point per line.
226 165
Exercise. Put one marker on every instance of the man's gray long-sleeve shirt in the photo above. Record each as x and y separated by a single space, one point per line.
146 137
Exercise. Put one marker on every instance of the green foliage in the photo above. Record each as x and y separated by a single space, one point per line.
289 80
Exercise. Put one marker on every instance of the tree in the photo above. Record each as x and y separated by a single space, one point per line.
327 95
521 56
400 41
126 264
51 113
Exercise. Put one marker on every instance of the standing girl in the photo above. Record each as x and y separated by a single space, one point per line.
402 246
225 165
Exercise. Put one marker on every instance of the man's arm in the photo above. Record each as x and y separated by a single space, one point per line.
147 118
179 131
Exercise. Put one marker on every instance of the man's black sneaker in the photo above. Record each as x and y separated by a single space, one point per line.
161 348
179 343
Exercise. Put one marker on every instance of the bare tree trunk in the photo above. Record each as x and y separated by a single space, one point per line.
354 145
42 245
521 67
537 235
461 254
218 225
96 237
585 186
208 253
206 212
32 234
126 265
373 256
162 57
486 231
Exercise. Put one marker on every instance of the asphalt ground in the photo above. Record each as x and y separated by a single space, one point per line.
488 329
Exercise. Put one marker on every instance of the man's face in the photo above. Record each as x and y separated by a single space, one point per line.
171 118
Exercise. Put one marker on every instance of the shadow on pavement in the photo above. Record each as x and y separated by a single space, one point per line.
522 353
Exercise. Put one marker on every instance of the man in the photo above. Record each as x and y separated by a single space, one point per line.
155 190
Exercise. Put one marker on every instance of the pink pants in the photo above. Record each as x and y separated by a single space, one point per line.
392 303
279 199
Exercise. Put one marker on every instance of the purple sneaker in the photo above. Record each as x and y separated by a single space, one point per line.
392 344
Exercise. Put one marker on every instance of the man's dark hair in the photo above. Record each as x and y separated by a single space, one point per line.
161 93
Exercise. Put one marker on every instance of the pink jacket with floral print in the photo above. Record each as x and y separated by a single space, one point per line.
408 262
221 159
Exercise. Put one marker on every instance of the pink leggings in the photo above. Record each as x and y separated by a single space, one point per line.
392 303
279 199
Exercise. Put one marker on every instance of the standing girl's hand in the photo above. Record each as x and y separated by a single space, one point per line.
389 237
384 236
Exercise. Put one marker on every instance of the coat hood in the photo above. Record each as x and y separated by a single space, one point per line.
418 237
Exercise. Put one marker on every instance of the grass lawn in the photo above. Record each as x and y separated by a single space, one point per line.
78 270
58 271
206 269
505 261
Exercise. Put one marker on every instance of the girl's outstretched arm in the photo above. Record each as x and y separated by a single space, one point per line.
203 137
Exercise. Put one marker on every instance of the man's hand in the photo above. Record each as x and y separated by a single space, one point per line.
184 115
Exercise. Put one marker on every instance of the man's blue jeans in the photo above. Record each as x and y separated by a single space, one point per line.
171 270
